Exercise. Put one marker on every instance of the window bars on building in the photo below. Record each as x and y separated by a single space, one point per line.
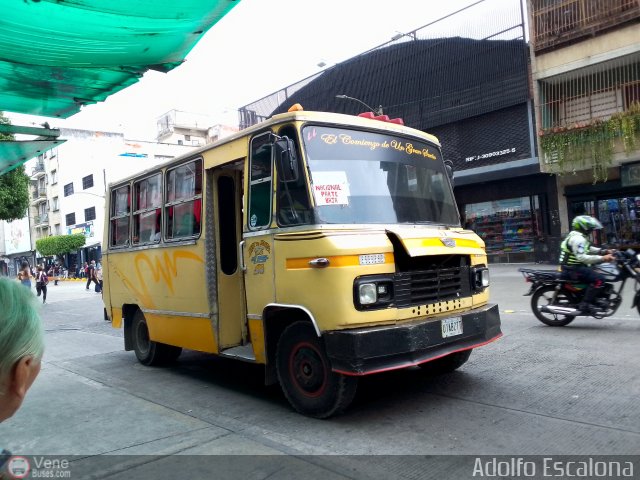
592 94
561 21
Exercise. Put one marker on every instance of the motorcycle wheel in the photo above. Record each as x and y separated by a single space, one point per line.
544 296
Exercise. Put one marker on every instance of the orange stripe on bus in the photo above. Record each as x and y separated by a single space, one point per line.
335 261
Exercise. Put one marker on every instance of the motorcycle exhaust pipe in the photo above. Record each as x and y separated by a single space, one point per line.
560 310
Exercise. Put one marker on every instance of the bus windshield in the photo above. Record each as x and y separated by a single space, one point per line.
367 177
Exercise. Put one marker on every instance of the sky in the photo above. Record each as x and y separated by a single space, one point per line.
259 47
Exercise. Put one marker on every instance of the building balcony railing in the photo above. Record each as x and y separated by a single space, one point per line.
39 195
38 170
590 117
590 95
557 22
41 219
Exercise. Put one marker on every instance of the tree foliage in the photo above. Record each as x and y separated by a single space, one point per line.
60 244
14 187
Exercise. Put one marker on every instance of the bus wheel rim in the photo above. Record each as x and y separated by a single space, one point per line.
308 369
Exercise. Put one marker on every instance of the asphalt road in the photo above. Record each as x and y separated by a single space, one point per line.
537 391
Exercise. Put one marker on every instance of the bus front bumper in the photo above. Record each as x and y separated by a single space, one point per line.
370 350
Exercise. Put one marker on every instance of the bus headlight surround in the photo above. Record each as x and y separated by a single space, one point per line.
480 277
373 292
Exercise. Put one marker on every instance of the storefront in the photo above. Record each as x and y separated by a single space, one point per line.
513 217
508 227
615 203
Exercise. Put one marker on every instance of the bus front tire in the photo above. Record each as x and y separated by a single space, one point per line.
305 375
147 351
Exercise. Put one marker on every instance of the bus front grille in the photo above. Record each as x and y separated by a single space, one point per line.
431 286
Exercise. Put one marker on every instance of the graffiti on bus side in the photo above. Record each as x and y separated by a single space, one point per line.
151 270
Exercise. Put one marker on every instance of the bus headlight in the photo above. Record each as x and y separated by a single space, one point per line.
373 291
368 293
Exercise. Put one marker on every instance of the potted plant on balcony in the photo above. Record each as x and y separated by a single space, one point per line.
573 148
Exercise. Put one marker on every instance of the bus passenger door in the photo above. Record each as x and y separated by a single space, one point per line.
229 295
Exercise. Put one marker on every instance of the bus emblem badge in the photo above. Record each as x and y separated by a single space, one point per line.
448 242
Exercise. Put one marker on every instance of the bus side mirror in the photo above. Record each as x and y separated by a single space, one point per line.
448 166
286 160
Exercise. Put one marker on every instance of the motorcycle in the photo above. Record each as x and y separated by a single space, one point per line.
555 299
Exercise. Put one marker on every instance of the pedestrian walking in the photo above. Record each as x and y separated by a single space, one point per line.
24 275
42 279
91 274
99 278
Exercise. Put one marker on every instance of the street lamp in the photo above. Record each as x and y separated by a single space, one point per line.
399 35
377 111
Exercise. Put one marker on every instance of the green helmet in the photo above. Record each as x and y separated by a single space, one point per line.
585 223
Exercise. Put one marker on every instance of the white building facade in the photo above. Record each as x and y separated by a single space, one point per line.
67 193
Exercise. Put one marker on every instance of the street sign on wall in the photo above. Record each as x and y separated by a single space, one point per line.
84 228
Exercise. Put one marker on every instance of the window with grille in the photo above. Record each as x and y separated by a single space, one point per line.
87 182
89 214
70 219
68 189
631 94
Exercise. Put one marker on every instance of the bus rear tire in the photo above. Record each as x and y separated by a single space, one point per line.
147 351
446 364
305 375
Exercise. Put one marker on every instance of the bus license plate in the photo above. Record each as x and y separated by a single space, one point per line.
451 326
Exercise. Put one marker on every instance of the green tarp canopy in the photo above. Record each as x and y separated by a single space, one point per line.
13 154
57 55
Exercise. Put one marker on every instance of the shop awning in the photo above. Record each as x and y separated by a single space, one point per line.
58 56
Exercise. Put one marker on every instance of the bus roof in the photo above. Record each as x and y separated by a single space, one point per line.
338 119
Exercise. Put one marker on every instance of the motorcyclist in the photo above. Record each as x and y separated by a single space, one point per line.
577 257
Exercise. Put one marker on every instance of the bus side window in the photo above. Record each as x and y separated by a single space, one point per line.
293 204
184 205
260 190
147 215
120 216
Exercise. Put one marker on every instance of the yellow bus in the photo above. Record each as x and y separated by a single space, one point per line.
322 246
